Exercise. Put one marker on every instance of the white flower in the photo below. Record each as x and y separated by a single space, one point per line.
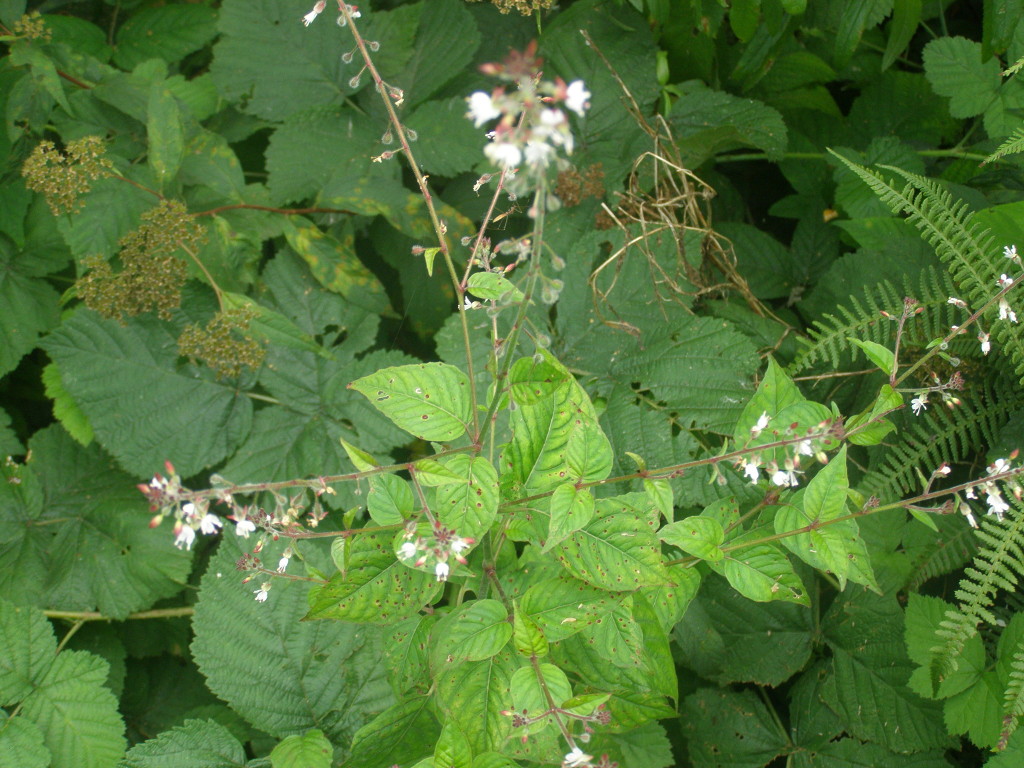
458 546
998 466
209 524
539 154
504 154
970 516
1005 282
577 758
467 303
986 343
785 477
481 108
576 97
762 422
441 570
310 17
919 403
244 527
263 592
186 535
996 503
750 470
282 564
1005 312
407 551
188 509
956 302
805 448
1010 251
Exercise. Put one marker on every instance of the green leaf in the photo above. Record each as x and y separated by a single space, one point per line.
76 713
563 606
527 637
433 473
954 67
194 744
429 401
881 356
473 632
29 647
448 144
390 500
473 694
30 307
64 408
743 18
271 326
775 393
165 131
452 749
163 410
700 536
471 507
888 400
400 734
731 728
311 750
615 551
22 744
530 687
488 285
571 509
588 453
168 32
532 380
906 15
362 461
376 588
322 674
761 572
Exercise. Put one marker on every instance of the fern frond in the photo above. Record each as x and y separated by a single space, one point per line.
1013 697
829 338
1012 146
940 435
946 552
998 566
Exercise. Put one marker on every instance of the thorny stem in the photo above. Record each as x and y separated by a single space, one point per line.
440 229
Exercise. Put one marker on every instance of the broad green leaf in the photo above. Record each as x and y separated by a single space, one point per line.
430 400
564 605
311 750
530 687
731 728
321 674
470 507
376 588
362 460
433 473
532 380
164 131
775 393
954 67
870 663
111 209
473 694
76 713
527 637
619 637
452 749
700 536
390 500
743 18
22 744
588 453
163 410
881 356
761 572
98 553
488 285
887 401
906 15
857 17
671 603
473 632
615 552
29 648
924 616
194 744
272 327
168 32
660 493
405 654
64 408
400 734
571 509
30 307
448 144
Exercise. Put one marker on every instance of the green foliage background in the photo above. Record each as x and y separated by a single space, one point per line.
119 649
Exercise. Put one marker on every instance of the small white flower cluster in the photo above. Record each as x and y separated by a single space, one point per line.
997 504
784 475
532 126
577 758
434 549
353 11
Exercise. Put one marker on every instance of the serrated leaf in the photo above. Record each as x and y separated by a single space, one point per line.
488 285
64 408
163 411
271 326
448 144
168 32
731 728
324 674
310 750
616 552
194 744
469 508
22 744
473 632
376 588
429 401
76 713
29 647
30 308
954 67
571 508
700 536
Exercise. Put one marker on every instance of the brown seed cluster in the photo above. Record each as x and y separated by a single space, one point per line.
223 344
63 177
572 187
525 7
151 273
31 26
